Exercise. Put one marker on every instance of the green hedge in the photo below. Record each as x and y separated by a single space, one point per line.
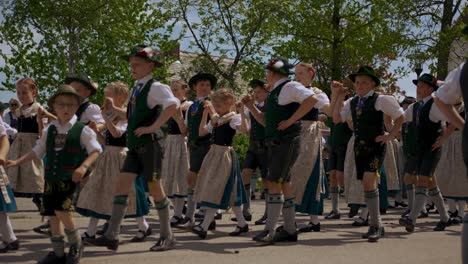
241 145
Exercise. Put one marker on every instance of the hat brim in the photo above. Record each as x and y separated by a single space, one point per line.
156 62
51 100
88 85
255 83
434 86
374 78
203 76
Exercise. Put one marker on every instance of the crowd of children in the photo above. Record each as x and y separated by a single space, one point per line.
103 162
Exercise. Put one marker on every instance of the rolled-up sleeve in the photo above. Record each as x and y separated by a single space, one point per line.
322 100
89 141
161 94
40 148
346 110
450 92
389 105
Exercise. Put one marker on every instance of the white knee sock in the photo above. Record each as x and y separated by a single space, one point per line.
314 219
92 226
6 230
179 206
452 205
461 208
142 224
208 218
239 216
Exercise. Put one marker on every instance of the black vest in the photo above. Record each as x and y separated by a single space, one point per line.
312 115
223 135
172 127
28 124
118 142
427 132
82 109
368 123
257 130
13 120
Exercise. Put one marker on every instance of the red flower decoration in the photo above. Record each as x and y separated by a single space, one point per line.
434 80
143 53
271 63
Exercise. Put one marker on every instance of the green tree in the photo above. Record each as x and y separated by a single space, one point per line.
236 30
337 36
49 40
437 27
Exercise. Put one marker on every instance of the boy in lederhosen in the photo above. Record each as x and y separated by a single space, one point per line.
151 105
424 129
256 154
367 110
286 104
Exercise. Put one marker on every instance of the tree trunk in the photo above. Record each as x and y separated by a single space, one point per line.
336 73
443 46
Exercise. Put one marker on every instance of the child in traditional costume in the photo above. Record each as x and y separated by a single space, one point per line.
175 163
220 184
8 242
151 105
95 198
65 142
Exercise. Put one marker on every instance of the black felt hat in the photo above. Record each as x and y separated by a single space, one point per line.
428 79
203 76
83 79
279 65
257 83
367 71
147 53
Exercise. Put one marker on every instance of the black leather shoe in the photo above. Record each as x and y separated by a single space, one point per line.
74 254
218 216
199 231
261 221
407 223
247 217
383 211
457 220
309 228
430 207
239 230
102 241
142 235
442 225
265 237
103 230
51 258
284 236
13 245
360 222
333 215
43 229
212 225
402 204
453 214
164 244
353 211
423 215
375 233
199 215
175 221
260 235
406 213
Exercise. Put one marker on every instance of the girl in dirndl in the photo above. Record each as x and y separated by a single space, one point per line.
451 173
95 199
27 180
219 184
175 162
8 240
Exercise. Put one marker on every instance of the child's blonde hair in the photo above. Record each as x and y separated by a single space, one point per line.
308 66
118 88
29 82
182 83
223 95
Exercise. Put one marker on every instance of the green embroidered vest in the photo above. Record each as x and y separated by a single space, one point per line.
61 164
